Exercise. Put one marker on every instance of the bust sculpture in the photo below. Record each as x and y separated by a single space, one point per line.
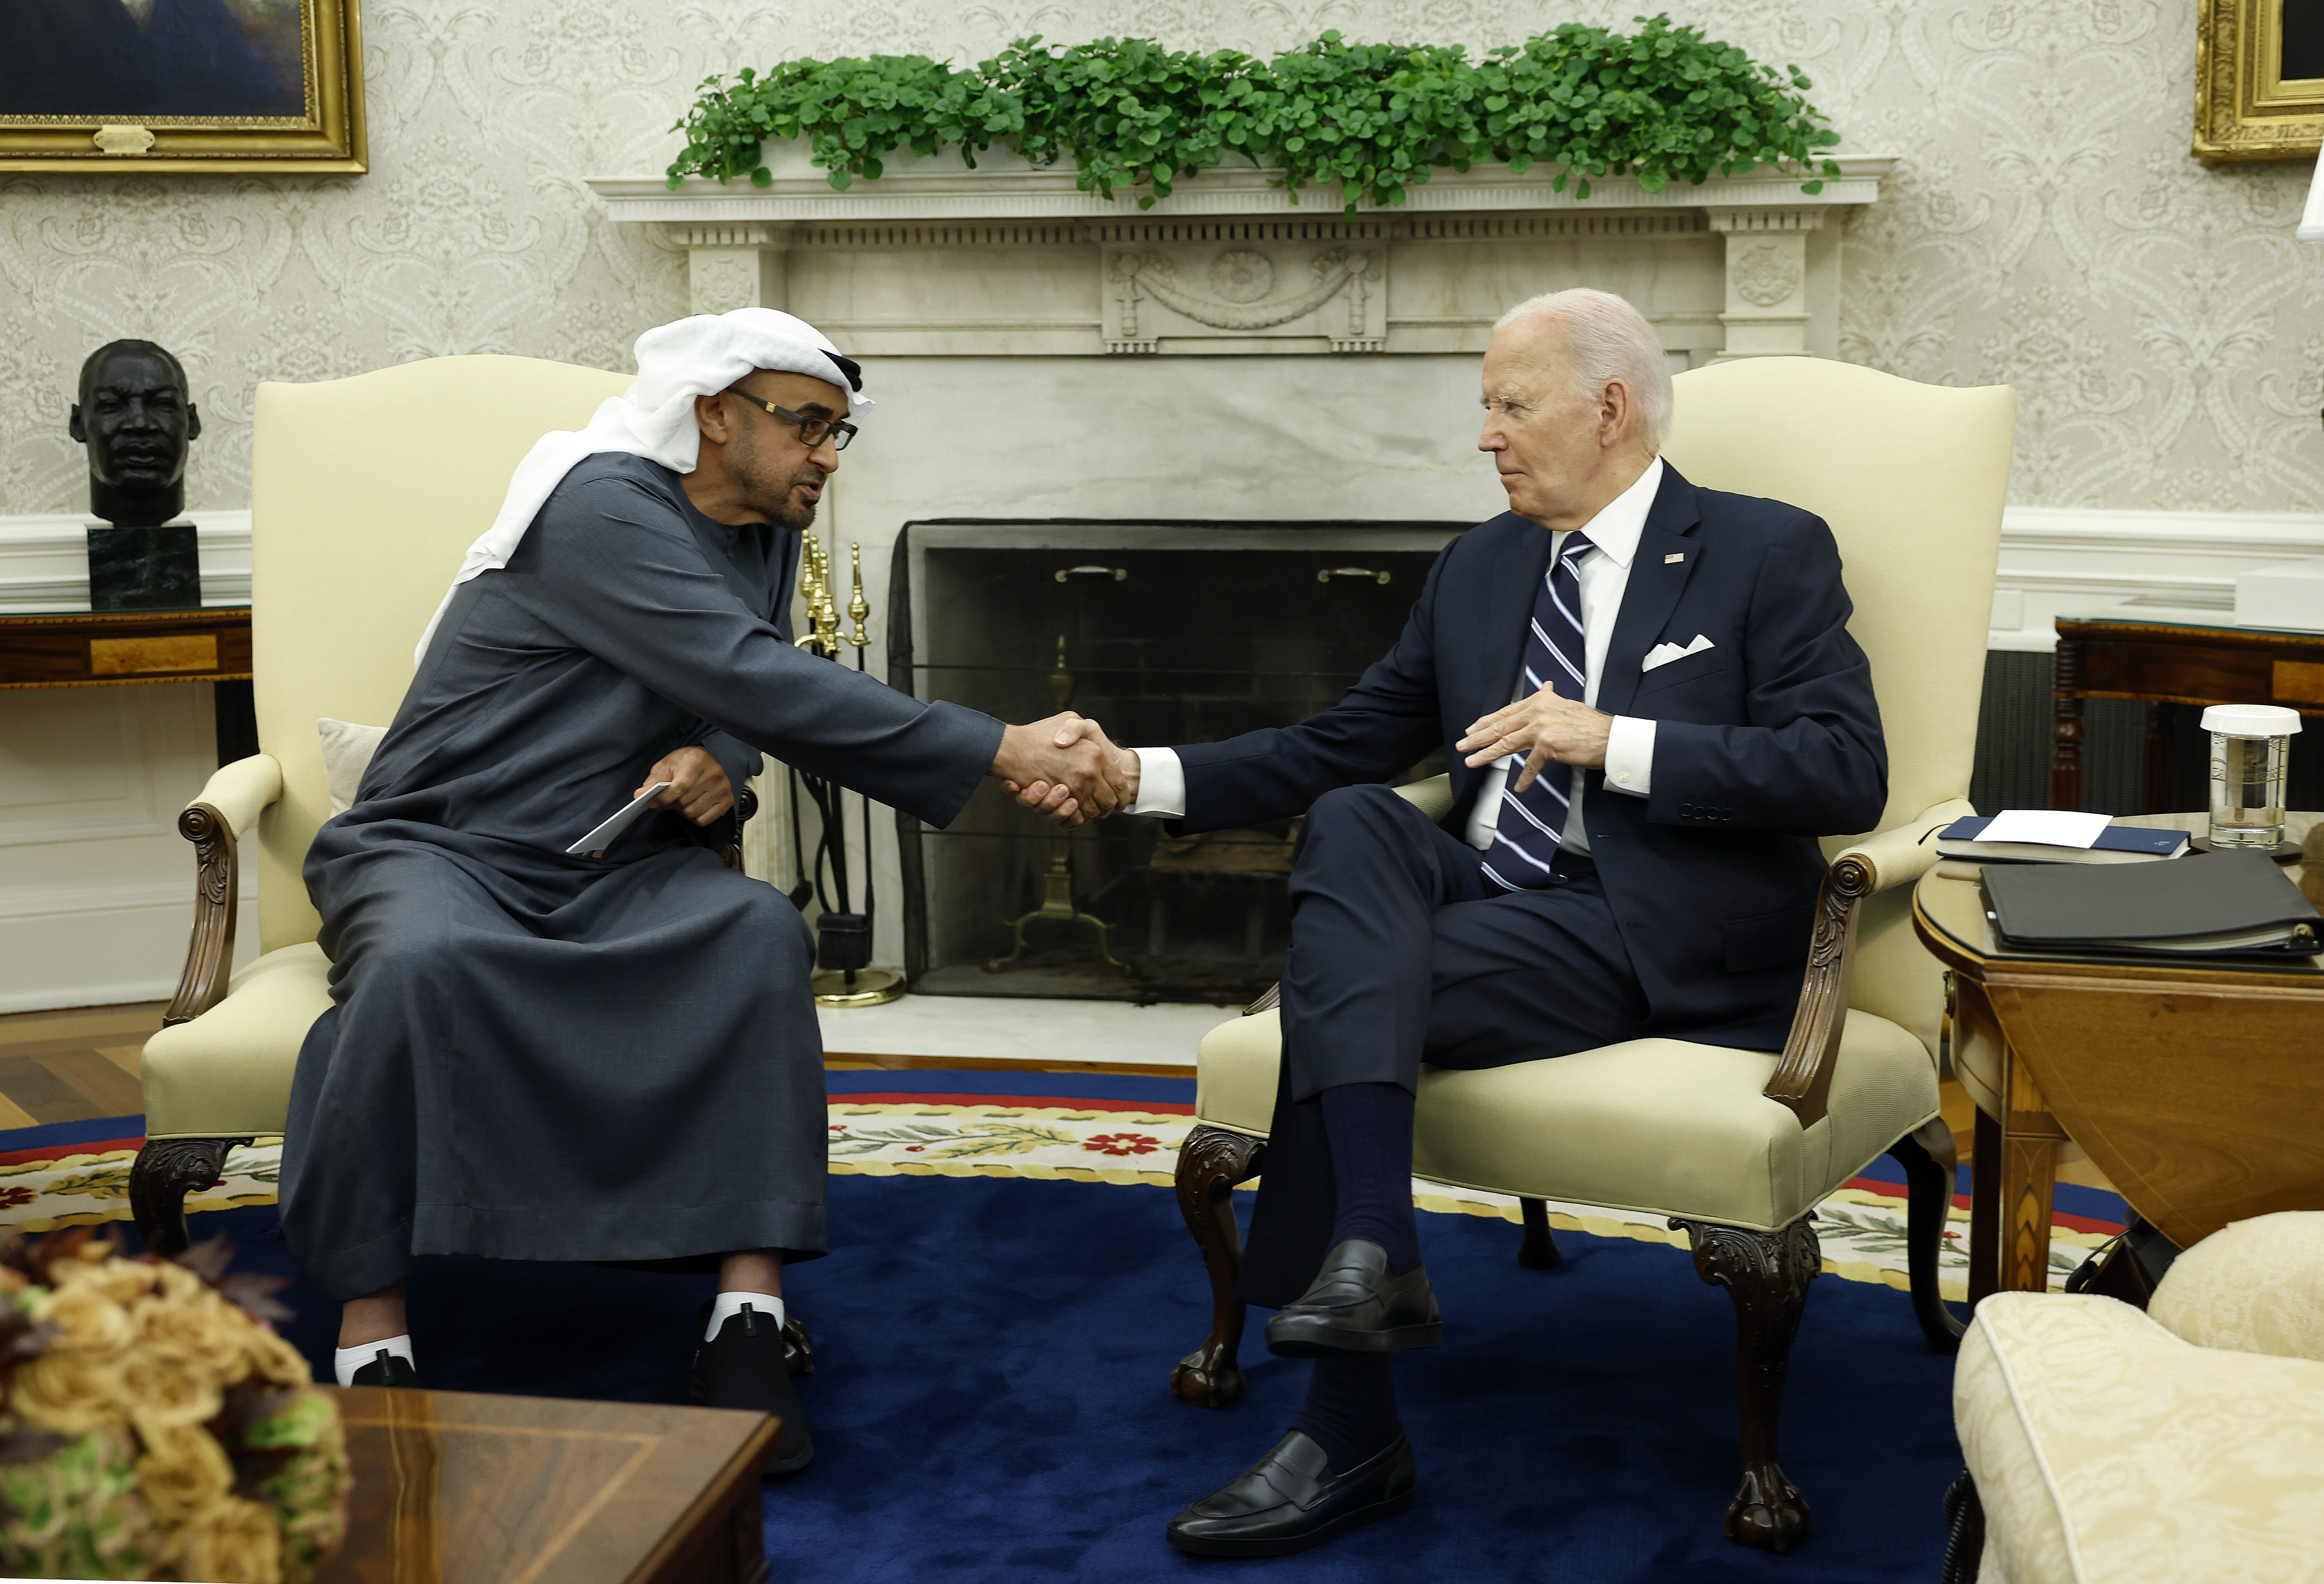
136 418
137 421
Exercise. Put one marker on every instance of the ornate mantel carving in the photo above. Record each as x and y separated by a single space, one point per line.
1188 291
935 259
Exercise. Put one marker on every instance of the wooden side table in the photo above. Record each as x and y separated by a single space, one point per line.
106 649
452 1487
2165 657
2195 1086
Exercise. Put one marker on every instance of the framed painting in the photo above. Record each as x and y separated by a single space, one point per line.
93 86
2259 80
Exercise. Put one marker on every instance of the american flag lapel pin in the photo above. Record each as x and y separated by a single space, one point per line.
1677 555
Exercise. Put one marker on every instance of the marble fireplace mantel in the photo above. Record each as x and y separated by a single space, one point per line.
937 259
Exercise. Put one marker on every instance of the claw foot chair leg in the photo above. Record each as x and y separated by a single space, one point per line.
1538 1251
166 1171
1929 1174
1210 1163
1767 1274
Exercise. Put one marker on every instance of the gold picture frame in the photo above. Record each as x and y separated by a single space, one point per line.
204 86
2245 108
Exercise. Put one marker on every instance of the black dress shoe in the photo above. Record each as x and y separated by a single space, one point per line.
745 1367
1291 1500
1353 1305
389 1369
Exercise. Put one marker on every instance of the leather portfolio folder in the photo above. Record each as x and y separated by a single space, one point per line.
2218 903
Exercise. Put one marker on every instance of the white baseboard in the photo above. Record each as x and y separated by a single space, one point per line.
101 944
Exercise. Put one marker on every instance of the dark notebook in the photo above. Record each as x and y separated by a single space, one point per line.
2215 902
2116 844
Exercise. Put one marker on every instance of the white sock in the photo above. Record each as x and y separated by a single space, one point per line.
730 1304
347 1360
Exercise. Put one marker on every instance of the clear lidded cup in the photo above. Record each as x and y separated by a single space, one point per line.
2250 744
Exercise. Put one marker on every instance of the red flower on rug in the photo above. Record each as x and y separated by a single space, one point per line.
1120 1143
9 1198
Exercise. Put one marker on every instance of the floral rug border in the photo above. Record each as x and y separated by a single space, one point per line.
1862 1232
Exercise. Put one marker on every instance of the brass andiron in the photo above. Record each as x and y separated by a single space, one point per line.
1057 880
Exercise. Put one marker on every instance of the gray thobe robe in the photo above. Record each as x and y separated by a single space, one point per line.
538 1056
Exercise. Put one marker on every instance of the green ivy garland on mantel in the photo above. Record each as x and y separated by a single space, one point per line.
1664 104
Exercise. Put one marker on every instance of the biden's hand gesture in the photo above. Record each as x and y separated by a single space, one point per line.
1545 726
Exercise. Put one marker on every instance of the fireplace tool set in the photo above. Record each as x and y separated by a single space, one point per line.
843 954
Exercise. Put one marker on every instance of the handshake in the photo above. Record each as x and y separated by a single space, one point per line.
1065 769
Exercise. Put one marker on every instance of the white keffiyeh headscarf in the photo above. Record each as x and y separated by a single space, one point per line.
654 419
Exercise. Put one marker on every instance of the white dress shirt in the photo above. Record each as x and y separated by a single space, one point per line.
1629 743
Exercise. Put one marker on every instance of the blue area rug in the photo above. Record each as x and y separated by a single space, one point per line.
990 1399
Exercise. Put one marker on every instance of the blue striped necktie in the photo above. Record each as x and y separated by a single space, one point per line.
1532 822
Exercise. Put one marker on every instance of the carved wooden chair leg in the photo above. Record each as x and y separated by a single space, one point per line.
1210 1163
165 1171
1539 1250
1929 1183
1767 1274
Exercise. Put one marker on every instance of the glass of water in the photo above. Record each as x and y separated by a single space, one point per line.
2249 745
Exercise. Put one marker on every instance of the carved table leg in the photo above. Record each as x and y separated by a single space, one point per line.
1929 1185
2029 1137
1210 1163
1767 1274
1539 1250
2029 1175
2066 728
166 1171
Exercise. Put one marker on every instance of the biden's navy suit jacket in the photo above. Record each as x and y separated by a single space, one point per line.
1763 742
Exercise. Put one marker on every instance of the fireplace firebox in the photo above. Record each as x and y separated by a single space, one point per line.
1165 632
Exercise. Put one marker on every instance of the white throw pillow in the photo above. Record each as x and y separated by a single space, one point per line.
347 749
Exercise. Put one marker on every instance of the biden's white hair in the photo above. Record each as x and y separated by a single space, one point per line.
1607 339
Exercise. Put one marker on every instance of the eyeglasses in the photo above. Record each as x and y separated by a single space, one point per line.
812 430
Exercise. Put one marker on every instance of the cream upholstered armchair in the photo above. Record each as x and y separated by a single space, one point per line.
2179 1445
1737 1146
365 493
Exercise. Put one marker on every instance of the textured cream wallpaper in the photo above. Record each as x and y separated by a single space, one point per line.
2047 227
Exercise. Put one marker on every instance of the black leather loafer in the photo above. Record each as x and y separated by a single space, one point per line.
387 1369
1290 1500
744 1367
1354 1306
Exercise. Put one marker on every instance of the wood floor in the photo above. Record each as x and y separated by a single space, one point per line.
67 1066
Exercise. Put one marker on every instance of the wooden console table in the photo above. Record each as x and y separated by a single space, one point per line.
111 649
2195 1086
2165 657
452 1487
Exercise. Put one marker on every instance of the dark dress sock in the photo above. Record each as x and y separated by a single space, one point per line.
1369 1126
1351 1407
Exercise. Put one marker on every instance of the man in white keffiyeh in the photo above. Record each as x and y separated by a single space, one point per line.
612 1056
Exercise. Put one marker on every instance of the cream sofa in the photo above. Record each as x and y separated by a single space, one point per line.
1738 1146
2180 1446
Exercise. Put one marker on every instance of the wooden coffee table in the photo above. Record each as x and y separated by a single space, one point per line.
451 1487
2195 1085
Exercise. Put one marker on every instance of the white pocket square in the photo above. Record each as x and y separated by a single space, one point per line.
1663 654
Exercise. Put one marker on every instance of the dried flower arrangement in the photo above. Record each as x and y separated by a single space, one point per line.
153 1423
